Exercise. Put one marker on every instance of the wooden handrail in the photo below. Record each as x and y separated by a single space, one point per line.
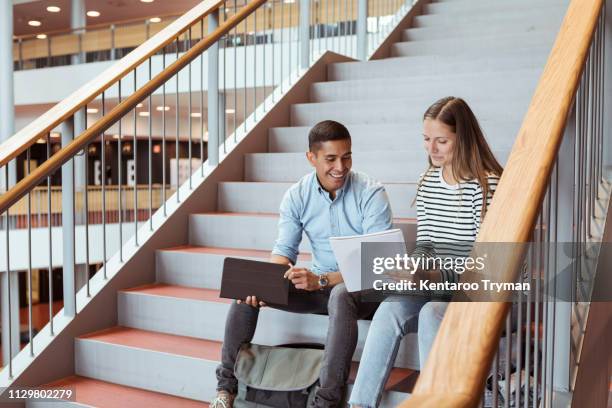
108 120
468 337
39 128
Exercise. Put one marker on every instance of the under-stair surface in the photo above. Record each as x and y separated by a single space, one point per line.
167 345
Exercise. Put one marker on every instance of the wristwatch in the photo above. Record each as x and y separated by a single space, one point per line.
323 281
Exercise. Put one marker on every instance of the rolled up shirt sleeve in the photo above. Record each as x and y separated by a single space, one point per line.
289 228
376 209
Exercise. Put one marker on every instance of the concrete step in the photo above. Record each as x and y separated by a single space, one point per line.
387 167
95 393
439 65
491 18
170 364
495 44
184 311
505 28
402 111
253 231
463 7
201 267
234 197
366 138
518 84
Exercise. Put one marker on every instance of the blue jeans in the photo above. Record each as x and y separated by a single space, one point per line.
395 317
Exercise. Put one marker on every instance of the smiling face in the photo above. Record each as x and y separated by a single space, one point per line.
439 141
332 161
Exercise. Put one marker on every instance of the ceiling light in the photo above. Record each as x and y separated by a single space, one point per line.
55 134
92 110
163 108
147 1
143 114
41 141
53 9
93 13
34 23
155 20
230 111
288 1
206 136
196 115
139 105
41 36
115 136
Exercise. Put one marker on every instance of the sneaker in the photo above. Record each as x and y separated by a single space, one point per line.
223 400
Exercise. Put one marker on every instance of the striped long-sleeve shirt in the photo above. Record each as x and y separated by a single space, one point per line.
448 217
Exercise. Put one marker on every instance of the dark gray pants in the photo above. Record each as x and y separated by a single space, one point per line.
343 308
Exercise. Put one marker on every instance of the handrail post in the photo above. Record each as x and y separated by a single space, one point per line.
213 93
362 29
68 226
304 33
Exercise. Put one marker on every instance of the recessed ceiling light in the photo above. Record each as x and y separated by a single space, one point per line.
41 141
115 136
144 114
230 111
55 134
147 1
139 105
196 115
53 9
93 13
41 36
34 23
163 108
92 110
155 20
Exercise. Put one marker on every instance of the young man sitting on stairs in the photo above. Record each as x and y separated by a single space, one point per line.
330 201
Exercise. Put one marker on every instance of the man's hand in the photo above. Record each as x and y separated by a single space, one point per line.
302 278
252 301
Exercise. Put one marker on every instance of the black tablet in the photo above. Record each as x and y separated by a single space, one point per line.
265 280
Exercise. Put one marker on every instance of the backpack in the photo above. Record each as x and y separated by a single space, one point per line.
277 376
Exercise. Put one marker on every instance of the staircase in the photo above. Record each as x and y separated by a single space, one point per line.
168 339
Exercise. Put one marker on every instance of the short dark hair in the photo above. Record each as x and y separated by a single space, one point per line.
326 131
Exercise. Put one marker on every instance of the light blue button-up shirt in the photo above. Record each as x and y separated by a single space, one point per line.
361 206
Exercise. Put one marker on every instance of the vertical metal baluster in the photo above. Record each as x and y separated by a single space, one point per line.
189 121
8 277
312 25
224 107
297 40
163 111
30 329
150 153
282 43
553 304
546 299
536 313
103 154
135 159
273 49
176 142
235 72
528 328
602 87
290 5
49 235
244 63
86 205
519 339
508 361
254 66
202 102
495 382
119 179
263 59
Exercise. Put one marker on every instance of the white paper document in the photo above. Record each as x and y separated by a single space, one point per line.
348 254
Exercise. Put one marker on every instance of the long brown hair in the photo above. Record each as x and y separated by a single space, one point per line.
472 158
